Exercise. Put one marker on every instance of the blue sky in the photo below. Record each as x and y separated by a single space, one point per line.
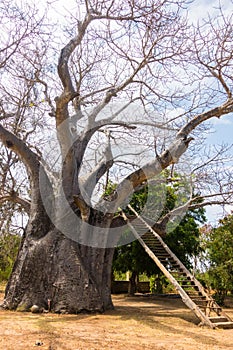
201 8
222 132
222 129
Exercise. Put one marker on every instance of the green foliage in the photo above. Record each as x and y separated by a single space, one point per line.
109 189
119 276
219 245
9 244
183 240
160 284
132 257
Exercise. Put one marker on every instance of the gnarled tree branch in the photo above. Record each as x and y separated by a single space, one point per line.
35 173
13 197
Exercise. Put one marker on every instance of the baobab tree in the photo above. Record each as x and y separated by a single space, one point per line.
130 76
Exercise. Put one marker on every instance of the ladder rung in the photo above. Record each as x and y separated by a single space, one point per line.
211 307
163 256
176 271
224 325
181 282
191 287
218 319
152 242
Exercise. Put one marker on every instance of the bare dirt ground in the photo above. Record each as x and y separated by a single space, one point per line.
138 323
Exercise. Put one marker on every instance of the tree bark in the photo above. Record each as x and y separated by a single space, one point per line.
50 266
58 271
133 283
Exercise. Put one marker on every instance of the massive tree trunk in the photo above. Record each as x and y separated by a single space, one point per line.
51 263
58 273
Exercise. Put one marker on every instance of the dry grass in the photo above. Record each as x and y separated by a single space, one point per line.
137 323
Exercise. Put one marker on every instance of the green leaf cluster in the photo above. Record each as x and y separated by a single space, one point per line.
183 240
9 244
219 246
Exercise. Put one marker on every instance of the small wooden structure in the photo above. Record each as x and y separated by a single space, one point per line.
191 291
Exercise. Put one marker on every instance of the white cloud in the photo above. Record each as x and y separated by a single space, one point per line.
202 8
223 121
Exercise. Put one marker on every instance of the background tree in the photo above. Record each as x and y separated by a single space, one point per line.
9 245
135 70
219 247
183 240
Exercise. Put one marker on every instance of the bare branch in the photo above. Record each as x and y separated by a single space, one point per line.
13 197
30 159
224 109
34 167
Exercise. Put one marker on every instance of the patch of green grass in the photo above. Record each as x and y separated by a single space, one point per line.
45 325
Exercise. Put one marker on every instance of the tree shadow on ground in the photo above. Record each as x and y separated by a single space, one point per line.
169 315
151 316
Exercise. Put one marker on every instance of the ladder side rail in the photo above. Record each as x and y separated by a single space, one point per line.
186 299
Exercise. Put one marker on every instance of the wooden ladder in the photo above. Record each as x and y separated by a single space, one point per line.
189 288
